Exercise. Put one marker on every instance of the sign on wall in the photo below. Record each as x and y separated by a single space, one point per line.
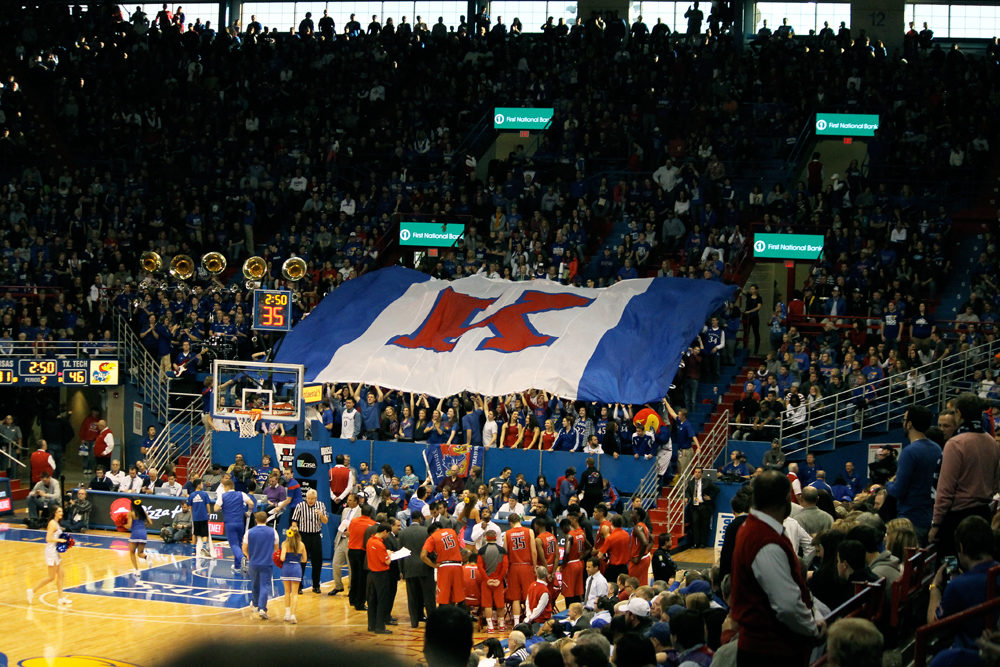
722 521
787 246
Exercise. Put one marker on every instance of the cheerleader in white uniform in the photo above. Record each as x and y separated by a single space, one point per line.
53 559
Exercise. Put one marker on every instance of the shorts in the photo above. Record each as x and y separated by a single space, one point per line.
201 528
572 576
640 571
450 584
519 579
493 597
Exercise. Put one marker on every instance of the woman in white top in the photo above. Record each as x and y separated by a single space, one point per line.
53 559
795 416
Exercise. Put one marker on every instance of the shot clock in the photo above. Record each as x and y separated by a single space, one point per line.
272 310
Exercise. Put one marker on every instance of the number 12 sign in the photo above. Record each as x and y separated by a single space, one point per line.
272 310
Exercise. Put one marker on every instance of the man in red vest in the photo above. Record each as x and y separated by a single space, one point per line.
104 444
770 600
538 610
41 461
341 484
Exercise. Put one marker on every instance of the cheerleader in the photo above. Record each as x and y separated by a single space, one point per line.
293 552
53 559
136 525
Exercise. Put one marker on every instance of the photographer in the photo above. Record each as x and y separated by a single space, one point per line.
241 473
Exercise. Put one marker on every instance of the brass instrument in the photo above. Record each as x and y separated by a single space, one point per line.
182 267
151 262
254 270
294 269
214 263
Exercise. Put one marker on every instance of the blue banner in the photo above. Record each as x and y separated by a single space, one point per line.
440 459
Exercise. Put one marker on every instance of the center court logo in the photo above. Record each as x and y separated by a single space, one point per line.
498 119
759 246
404 235
820 125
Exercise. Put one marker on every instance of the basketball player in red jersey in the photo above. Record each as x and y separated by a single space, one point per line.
616 550
519 542
638 565
470 579
443 543
548 553
572 564
604 529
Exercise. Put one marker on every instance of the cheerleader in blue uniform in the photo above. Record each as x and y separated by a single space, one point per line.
136 525
293 552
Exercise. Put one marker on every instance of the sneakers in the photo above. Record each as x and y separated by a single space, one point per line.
263 615
502 627
206 553
288 615
65 601
491 631
31 596
293 620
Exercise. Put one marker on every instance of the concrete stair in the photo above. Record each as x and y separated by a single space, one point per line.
16 492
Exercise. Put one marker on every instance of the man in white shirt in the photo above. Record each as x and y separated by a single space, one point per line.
132 483
666 176
116 475
172 486
340 542
350 421
595 587
480 529
299 183
490 430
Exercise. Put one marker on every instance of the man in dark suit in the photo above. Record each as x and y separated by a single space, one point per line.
420 589
701 495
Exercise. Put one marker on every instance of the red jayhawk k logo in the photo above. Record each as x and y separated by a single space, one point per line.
453 314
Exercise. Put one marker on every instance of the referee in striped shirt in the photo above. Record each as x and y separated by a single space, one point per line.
310 517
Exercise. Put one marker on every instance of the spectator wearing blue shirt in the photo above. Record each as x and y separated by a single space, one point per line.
627 272
642 442
974 542
820 482
370 409
915 472
737 465
568 440
892 326
607 268
472 422
567 486
922 325
807 473
714 339
851 478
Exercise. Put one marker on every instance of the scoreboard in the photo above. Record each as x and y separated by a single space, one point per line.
272 310
56 372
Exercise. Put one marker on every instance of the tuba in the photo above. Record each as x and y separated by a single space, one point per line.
151 262
254 270
214 263
294 269
182 267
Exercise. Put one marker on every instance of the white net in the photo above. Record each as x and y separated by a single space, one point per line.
247 422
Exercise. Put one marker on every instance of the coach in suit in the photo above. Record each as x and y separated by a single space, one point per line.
420 589
701 495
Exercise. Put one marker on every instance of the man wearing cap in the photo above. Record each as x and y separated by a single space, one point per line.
835 306
659 634
637 616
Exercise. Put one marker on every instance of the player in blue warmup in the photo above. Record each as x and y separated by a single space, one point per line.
232 503
198 502
259 544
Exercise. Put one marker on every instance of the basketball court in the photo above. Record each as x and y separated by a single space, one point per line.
179 601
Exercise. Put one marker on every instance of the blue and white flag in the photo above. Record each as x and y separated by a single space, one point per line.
400 329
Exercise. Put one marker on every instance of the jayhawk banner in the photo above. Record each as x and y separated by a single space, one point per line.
440 459
401 329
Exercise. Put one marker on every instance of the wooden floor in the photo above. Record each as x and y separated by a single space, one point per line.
156 631
701 556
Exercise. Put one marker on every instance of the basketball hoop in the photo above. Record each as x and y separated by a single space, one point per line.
247 421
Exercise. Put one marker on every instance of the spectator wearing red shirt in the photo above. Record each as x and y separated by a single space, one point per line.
88 434
379 593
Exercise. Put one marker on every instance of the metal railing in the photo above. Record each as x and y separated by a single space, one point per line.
183 435
60 349
142 368
201 457
715 442
847 414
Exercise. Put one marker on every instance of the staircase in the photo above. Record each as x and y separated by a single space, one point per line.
182 440
668 514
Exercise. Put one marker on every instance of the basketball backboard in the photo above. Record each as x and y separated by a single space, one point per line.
274 389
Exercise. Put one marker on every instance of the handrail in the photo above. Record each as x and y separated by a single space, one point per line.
201 457
141 367
934 384
716 440
177 437
924 633
60 349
